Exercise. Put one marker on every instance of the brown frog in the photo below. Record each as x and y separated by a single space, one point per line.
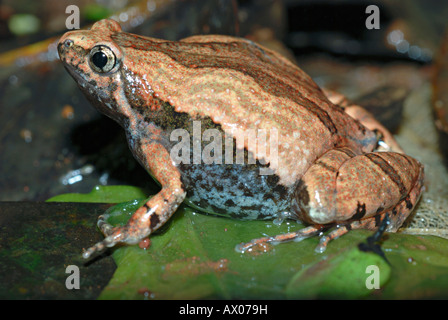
304 156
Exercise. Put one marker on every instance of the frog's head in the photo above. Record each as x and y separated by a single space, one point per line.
93 59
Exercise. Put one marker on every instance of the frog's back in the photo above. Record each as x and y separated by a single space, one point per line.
239 84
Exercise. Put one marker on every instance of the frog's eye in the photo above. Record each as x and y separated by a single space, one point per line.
102 59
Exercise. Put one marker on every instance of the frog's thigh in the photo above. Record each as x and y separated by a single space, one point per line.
366 118
355 191
369 121
342 186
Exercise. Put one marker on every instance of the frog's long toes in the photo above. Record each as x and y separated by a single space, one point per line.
243 247
322 246
99 247
106 228
96 249
295 236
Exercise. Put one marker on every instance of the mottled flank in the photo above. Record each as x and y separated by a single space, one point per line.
240 193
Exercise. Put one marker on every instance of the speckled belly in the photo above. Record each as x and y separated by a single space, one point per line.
234 190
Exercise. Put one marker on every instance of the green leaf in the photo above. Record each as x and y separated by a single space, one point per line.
103 194
351 274
419 267
193 257
95 12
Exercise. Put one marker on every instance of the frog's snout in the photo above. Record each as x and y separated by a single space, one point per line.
70 52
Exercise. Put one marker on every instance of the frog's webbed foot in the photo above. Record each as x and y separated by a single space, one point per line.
99 247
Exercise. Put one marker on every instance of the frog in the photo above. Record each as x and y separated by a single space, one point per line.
313 156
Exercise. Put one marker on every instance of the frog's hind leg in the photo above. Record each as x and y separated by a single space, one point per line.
386 141
356 191
337 230
388 220
349 191
341 229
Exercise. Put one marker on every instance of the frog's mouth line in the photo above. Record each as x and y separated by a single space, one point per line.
99 99
88 87
75 74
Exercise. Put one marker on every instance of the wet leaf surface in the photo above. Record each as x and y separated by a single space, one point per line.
102 194
193 257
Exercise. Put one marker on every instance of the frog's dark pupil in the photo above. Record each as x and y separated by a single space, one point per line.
99 59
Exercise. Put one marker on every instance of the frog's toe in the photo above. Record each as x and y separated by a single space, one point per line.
116 236
296 236
106 228
98 248
243 247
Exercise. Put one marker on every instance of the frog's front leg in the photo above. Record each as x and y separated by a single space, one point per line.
156 211
353 192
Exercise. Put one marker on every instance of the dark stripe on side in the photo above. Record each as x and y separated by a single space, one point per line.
347 151
389 171
409 204
412 164
326 166
177 52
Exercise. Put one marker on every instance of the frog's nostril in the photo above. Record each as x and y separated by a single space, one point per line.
68 43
